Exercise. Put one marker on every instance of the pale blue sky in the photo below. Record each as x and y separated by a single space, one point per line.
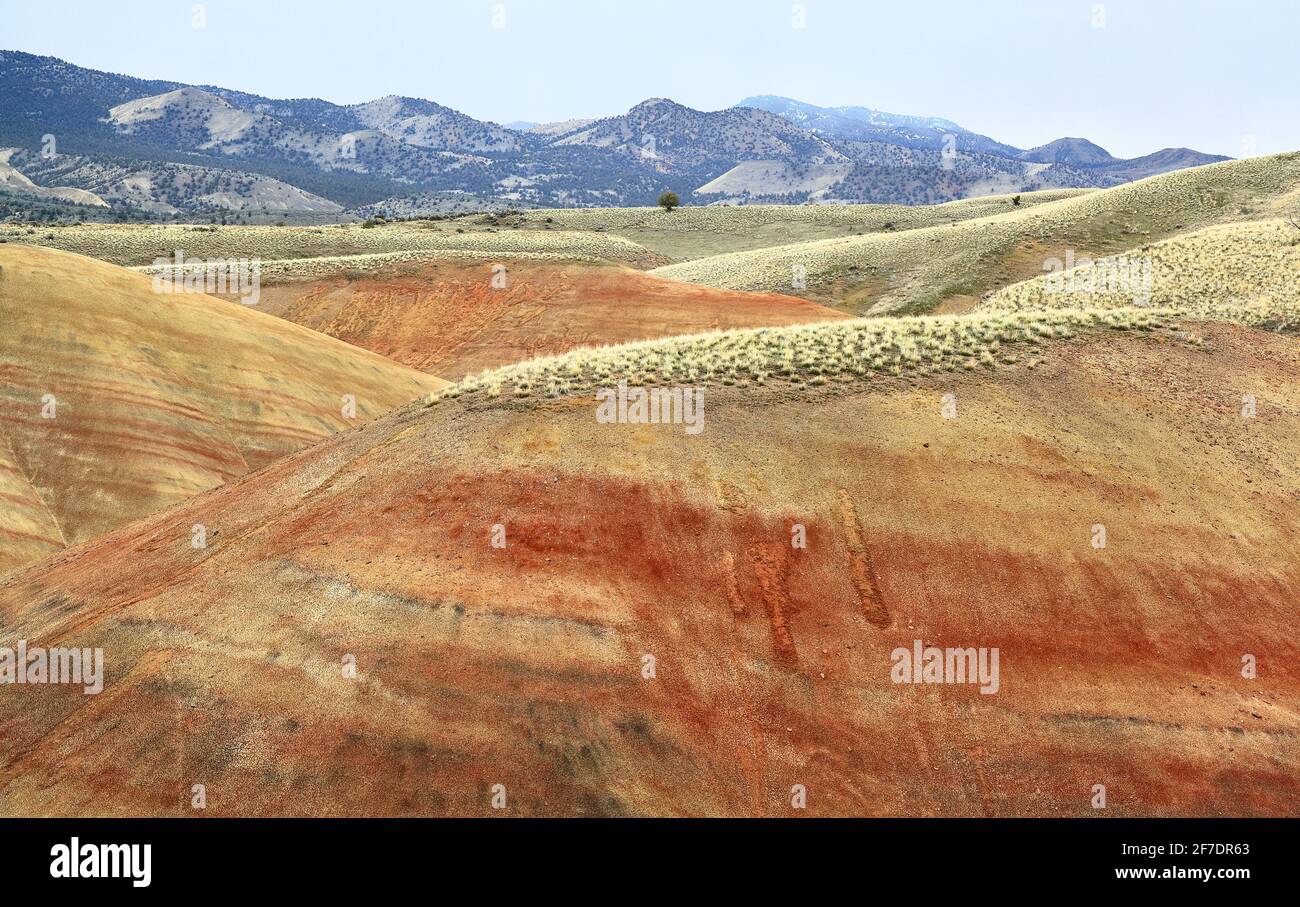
1200 73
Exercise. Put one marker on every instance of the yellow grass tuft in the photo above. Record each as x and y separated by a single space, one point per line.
1246 266
853 350
922 265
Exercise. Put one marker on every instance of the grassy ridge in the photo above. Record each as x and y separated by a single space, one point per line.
698 232
1223 264
814 354
917 269
140 245
293 269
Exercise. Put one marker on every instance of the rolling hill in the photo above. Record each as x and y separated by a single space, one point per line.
1111 170
1069 151
137 245
117 401
649 642
449 319
686 234
1227 264
14 181
916 270
166 188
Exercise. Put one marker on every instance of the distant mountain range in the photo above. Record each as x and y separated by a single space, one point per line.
103 144
865 125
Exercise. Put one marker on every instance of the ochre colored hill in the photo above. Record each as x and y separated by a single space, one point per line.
116 401
448 318
525 665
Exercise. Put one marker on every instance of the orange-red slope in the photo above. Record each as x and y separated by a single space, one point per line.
452 319
525 665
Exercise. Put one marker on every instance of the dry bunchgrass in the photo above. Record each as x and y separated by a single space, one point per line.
923 265
142 244
1255 264
743 219
1244 273
817 354
290 269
